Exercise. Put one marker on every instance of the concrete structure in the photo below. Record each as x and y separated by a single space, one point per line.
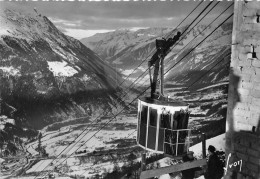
243 116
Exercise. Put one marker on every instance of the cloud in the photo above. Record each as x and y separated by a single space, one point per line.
81 33
91 16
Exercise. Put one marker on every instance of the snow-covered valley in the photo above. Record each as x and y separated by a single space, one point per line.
62 103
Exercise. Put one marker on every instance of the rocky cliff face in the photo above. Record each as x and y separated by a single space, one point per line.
47 76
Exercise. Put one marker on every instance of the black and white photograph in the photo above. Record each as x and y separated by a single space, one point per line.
130 89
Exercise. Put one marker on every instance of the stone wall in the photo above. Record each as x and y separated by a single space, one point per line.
243 116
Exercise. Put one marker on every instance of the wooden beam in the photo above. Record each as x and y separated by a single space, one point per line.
203 136
172 169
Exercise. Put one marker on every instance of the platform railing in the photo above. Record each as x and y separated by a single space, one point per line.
178 140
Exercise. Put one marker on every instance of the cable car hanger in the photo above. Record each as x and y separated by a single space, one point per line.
163 48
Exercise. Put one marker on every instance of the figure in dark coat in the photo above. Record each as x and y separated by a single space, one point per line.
214 170
189 173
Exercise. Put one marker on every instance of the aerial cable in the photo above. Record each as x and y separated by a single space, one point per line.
188 43
176 27
195 25
146 89
199 16
108 122
198 35
207 26
71 146
121 83
115 148
100 128
179 40
183 38
198 79
178 62
166 36
200 43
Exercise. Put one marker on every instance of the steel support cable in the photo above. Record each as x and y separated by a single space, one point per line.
149 86
193 38
173 30
143 62
129 87
200 32
194 82
176 27
56 158
99 129
196 19
203 75
198 79
115 148
75 142
199 43
136 68
166 36
61 153
197 23
208 25
93 121
37 158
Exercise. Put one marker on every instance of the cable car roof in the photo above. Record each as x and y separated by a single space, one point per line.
163 101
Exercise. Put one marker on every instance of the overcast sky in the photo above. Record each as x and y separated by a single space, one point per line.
82 19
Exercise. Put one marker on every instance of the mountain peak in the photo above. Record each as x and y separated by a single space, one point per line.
38 62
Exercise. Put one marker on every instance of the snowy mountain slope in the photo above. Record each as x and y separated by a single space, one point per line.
47 76
126 49
111 44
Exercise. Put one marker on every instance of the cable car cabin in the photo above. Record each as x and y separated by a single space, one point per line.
162 126
162 122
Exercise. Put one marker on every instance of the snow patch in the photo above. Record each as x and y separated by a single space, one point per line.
218 142
4 120
127 72
86 78
141 68
11 71
198 58
61 69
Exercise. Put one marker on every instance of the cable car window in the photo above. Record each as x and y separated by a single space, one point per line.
166 120
182 136
153 117
144 114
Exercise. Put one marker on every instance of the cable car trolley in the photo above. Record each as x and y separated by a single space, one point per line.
162 122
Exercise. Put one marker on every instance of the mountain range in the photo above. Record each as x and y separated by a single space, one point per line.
47 77
55 84
126 49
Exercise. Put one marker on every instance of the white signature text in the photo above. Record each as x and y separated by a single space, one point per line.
237 163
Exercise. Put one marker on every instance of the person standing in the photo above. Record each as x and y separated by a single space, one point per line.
214 167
